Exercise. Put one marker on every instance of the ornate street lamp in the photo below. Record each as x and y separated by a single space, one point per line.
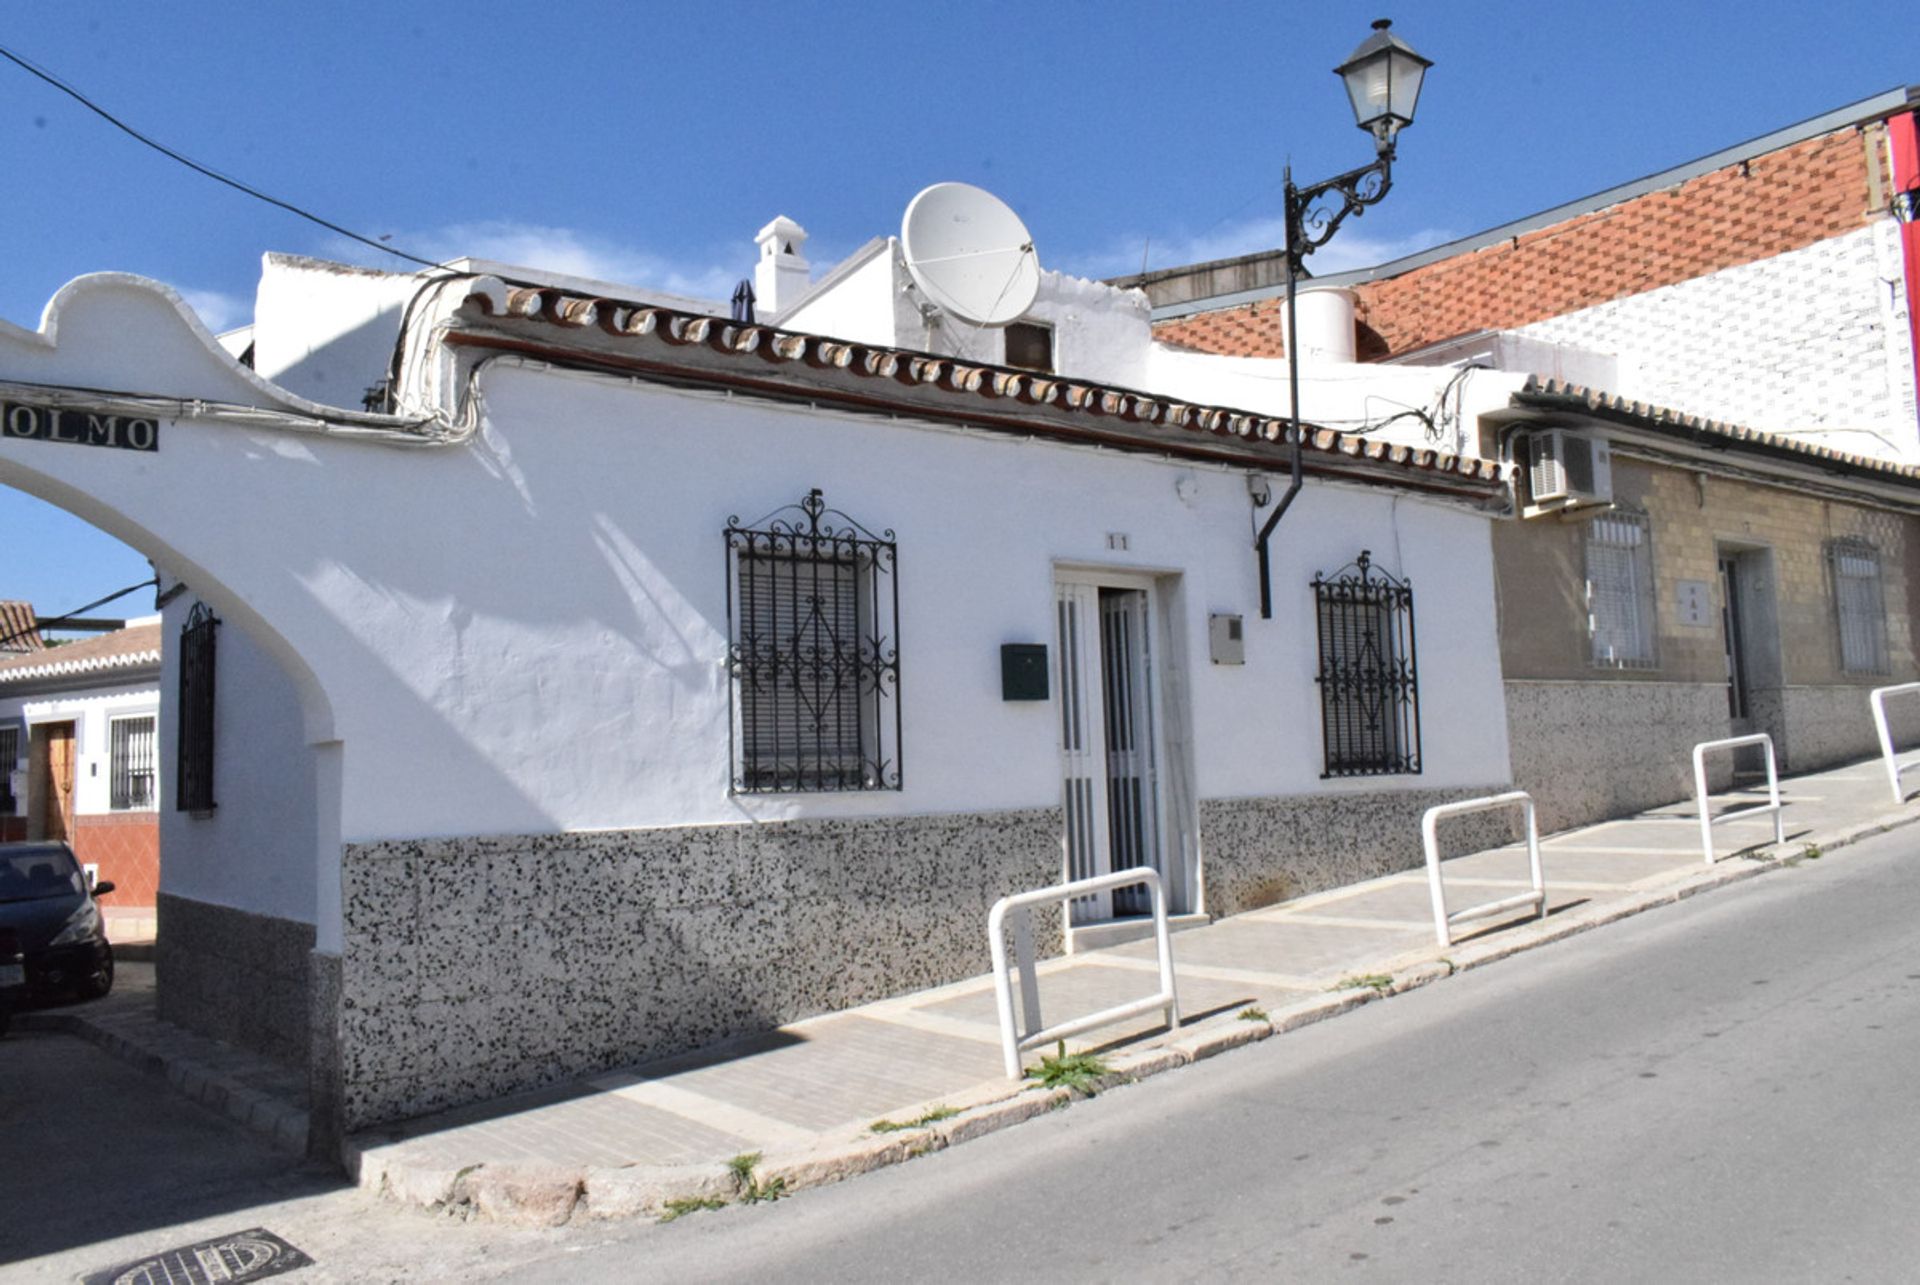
1383 78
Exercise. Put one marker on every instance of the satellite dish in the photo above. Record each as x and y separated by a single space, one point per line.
970 254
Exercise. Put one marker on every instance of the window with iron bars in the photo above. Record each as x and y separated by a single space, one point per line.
133 763
812 618
1369 682
1859 605
1620 610
193 768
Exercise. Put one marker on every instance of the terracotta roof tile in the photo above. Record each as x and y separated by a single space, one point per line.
129 648
19 629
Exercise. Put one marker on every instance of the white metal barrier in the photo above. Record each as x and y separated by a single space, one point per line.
1031 1033
1429 824
1894 769
1707 819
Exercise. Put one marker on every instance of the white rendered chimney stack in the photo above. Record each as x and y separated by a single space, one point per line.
780 274
1326 325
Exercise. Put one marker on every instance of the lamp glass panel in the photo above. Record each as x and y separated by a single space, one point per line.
1404 84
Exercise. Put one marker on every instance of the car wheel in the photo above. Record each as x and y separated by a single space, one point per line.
97 983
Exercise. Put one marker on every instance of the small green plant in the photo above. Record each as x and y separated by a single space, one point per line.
925 1118
681 1206
1811 852
1253 1013
1064 1070
1379 981
752 1190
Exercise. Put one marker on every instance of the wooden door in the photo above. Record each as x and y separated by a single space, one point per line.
52 812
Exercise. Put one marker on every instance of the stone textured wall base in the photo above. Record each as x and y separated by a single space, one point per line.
476 967
234 975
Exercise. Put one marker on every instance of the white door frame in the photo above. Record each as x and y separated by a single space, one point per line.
1080 670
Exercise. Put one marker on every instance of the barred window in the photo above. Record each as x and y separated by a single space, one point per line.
9 761
133 765
1369 684
1620 618
812 619
1859 606
193 781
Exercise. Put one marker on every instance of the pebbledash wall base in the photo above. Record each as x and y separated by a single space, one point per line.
477 967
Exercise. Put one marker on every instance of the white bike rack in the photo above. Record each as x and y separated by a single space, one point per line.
1031 1034
1442 921
1707 819
1894 768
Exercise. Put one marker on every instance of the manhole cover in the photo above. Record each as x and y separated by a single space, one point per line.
224 1260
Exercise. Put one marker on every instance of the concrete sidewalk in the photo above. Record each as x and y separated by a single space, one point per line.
840 1094
799 1105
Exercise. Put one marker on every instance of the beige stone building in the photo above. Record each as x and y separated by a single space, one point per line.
1737 582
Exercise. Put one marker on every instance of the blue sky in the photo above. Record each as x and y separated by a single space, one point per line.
647 142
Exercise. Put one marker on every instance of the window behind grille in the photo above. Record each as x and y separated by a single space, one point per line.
1859 606
812 655
1368 679
132 763
1620 597
193 781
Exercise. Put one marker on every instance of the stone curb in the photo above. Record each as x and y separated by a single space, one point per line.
281 1123
548 1197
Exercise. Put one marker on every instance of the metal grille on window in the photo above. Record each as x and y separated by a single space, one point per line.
1620 612
132 763
1860 606
193 781
1369 683
813 610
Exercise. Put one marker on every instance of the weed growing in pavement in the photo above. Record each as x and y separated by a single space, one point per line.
1063 1070
681 1206
1253 1014
935 1116
1379 981
752 1190
1811 852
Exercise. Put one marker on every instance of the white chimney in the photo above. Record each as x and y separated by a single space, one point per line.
1326 324
780 276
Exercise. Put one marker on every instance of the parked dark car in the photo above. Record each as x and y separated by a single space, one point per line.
53 942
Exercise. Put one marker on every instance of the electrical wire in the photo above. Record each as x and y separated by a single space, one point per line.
197 167
54 622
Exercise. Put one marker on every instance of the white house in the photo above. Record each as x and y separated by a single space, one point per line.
635 677
80 756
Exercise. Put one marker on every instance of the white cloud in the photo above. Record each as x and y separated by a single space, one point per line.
219 311
570 252
1351 249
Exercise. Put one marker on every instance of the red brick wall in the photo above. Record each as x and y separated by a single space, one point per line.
1782 201
127 847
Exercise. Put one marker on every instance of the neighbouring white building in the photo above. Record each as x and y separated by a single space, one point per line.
634 677
80 755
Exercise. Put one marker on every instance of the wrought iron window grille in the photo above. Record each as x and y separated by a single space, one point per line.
193 770
1369 682
813 609
1621 607
132 763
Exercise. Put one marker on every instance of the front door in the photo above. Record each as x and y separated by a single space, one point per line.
1731 632
1110 739
50 777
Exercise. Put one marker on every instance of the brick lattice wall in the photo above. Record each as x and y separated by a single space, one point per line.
1770 205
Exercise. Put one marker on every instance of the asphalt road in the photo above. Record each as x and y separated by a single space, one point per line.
1722 1090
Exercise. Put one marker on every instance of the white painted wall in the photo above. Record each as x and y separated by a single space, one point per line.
255 851
325 330
91 709
1807 342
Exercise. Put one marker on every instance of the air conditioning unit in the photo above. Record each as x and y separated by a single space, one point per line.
1567 471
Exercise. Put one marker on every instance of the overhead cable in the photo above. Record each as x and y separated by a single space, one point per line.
197 167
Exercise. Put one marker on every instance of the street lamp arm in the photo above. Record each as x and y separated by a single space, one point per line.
1311 225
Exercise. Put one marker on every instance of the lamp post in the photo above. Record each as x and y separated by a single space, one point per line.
1383 78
